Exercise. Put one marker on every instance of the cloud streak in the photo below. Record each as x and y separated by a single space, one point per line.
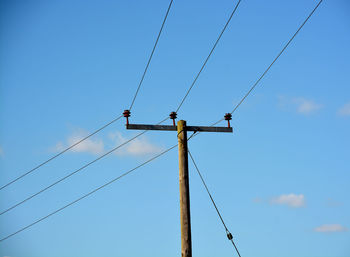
91 146
291 200
305 106
330 228
344 110
301 105
138 147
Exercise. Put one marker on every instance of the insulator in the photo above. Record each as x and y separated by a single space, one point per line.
126 113
173 115
228 116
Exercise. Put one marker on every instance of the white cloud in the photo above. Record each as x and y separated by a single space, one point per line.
345 110
299 104
330 228
137 147
92 146
305 106
291 200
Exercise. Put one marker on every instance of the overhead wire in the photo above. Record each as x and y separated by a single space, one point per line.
132 103
86 195
276 58
91 192
104 126
210 53
150 57
75 171
228 233
60 153
268 68
175 145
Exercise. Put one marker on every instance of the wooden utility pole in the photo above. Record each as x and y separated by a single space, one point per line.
182 128
185 216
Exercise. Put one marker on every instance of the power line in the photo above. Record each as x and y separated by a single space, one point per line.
86 195
228 233
60 153
93 191
159 123
206 60
104 126
74 172
279 54
150 57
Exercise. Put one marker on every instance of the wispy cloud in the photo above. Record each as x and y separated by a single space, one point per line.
291 200
258 200
330 228
1 152
92 146
333 203
305 106
138 147
344 110
300 104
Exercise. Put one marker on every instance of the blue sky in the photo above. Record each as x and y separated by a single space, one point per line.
281 180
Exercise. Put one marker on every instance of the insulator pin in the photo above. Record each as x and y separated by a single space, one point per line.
126 114
228 117
173 116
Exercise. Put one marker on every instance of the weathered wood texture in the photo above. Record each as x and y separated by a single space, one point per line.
174 128
185 217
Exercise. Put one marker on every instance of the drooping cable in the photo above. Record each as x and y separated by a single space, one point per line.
210 53
75 171
86 195
91 192
150 57
104 126
228 233
276 58
60 153
179 106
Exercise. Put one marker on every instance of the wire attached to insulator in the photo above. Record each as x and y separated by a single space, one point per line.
126 114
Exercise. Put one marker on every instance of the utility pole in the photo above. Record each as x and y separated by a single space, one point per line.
182 128
185 216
